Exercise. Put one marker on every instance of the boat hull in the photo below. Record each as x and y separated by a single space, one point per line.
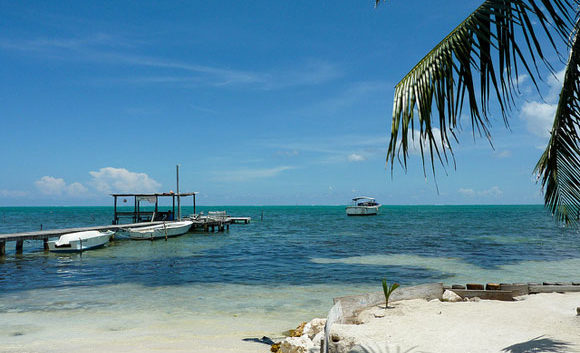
362 210
160 231
81 241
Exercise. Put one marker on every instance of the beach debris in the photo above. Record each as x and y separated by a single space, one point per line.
265 339
379 313
450 296
388 290
298 331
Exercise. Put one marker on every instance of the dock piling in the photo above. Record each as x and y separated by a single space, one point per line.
2 248
45 241
19 246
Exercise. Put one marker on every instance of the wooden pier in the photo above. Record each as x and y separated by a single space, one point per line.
204 223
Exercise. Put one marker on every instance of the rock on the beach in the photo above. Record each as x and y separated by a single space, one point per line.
296 345
451 296
314 327
317 340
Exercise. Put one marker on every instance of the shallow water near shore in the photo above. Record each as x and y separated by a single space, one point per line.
206 292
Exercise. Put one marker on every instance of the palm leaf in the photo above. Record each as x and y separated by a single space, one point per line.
559 167
481 58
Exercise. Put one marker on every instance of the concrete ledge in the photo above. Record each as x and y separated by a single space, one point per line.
502 295
552 289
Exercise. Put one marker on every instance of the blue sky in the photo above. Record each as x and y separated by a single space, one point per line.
260 102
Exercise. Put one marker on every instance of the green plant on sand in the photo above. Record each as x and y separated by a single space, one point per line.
388 290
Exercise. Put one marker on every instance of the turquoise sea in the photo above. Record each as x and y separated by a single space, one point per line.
206 290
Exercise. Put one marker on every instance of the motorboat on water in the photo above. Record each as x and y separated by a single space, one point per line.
159 231
363 206
80 241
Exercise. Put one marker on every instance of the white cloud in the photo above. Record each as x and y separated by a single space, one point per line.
355 157
539 117
76 188
466 192
503 154
415 144
109 180
493 192
52 186
250 174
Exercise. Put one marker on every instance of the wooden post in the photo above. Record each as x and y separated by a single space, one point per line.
135 210
193 203
228 226
2 248
45 241
115 221
19 246
173 197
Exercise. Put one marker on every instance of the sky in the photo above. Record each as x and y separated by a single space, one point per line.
259 102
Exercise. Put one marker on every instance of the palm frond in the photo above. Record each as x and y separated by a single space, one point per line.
559 167
477 62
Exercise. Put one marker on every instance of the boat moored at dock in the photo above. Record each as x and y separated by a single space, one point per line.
80 241
160 231
363 206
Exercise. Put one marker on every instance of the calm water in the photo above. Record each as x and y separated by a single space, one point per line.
285 268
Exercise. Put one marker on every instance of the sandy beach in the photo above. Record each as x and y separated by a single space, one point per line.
534 323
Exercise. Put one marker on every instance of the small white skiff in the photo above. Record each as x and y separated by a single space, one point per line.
159 231
80 241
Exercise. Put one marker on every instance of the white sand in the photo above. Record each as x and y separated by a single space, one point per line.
537 323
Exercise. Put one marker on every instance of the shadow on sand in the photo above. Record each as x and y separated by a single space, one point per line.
537 345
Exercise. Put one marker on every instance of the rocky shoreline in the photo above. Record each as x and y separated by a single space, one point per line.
451 322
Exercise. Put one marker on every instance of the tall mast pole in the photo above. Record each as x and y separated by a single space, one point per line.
178 196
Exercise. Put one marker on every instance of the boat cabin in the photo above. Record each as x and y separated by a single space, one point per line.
137 215
364 201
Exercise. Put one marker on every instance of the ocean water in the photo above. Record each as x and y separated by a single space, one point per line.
205 292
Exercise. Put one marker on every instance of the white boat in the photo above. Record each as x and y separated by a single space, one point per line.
363 206
159 231
80 241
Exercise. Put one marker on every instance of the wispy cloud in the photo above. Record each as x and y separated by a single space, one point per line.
503 154
13 193
349 96
115 50
493 192
248 174
355 157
